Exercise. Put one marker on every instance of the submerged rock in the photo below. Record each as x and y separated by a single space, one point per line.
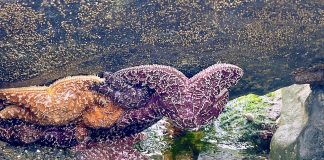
35 152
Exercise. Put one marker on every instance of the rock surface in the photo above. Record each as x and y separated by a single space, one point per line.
300 134
268 39
311 139
249 122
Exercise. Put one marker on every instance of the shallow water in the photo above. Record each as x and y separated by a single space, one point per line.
193 145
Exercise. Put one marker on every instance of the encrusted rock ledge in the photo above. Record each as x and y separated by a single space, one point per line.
41 41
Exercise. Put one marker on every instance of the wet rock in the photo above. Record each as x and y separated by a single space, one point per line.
300 134
248 122
311 139
268 39
13 152
313 75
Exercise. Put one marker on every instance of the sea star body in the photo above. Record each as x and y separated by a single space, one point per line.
111 149
124 94
189 103
20 132
102 116
62 102
114 122
133 121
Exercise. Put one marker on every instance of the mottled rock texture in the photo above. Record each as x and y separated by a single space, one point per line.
268 39
292 121
311 140
300 134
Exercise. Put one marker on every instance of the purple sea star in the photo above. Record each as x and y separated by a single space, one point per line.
133 121
111 149
124 94
189 103
19 132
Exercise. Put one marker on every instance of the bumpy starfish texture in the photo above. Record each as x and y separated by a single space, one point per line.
62 102
102 116
133 121
19 132
139 104
124 94
111 149
189 103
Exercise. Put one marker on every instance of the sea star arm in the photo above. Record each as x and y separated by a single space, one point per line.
15 112
22 96
19 132
158 77
216 78
102 116
111 149
210 113
133 87
206 96
133 120
208 85
58 104
123 93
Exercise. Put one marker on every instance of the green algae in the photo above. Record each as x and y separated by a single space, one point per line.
246 120
190 143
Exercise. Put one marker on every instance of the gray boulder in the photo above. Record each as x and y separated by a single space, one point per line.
301 127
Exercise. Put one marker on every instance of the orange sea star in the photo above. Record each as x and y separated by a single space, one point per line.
102 116
60 103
